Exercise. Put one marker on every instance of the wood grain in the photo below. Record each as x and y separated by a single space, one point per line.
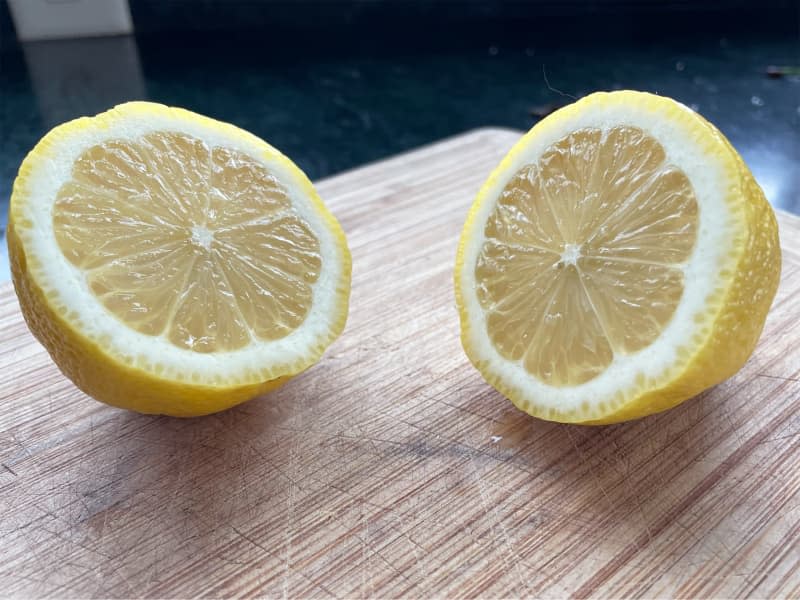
390 468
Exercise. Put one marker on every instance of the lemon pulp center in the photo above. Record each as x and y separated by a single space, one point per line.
196 243
584 252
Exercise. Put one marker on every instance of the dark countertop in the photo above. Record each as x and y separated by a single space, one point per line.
333 111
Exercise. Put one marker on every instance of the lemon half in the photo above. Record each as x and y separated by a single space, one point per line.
171 263
619 260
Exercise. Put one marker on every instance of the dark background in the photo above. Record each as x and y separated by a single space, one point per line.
337 84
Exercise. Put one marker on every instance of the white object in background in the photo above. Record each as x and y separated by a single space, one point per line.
49 19
72 78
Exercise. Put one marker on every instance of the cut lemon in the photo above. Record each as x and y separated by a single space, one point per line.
171 263
619 260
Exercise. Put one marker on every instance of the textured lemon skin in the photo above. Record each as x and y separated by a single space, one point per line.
738 326
107 377
729 337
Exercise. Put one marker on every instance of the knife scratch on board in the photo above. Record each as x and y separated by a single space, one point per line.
510 558
583 460
795 379
290 525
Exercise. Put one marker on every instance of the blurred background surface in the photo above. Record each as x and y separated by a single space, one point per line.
337 84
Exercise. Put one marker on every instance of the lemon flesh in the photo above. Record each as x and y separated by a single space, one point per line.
174 264
618 261
199 244
584 252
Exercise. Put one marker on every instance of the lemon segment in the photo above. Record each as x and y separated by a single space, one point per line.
185 259
599 259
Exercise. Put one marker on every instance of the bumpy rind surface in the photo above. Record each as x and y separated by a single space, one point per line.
738 326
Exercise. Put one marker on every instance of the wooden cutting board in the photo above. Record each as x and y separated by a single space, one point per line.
390 468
